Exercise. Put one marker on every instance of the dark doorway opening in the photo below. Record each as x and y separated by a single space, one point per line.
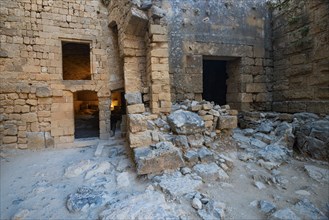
86 114
76 61
214 81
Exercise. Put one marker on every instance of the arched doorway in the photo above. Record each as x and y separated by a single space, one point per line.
86 114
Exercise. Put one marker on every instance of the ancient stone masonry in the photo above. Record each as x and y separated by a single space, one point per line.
36 103
69 58
237 32
301 56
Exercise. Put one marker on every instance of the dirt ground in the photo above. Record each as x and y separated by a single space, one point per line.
36 185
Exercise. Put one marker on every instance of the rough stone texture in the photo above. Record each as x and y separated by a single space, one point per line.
284 214
156 159
185 122
312 139
134 207
178 185
227 122
300 77
307 210
210 171
33 92
194 35
317 173
83 199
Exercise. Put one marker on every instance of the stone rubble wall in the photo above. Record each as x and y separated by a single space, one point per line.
36 103
301 56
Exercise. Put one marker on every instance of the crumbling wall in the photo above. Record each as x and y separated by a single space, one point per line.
301 56
237 31
36 103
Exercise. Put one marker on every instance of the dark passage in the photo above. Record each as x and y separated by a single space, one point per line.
86 114
214 81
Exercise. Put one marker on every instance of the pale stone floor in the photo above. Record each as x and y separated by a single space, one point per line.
36 185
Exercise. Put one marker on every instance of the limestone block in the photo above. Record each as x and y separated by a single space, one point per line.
158 29
137 122
162 156
207 117
256 87
43 92
35 140
133 98
140 139
137 108
227 122
49 140
9 139
29 117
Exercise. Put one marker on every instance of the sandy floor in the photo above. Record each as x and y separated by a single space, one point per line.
34 185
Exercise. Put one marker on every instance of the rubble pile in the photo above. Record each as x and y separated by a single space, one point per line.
192 131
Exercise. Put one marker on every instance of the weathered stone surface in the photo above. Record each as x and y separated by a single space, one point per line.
307 210
35 140
43 92
212 210
181 141
317 173
135 207
185 122
140 138
274 153
284 135
210 171
136 108
176 185
205 155
156 159
196 203
191 156
265 127
196 140
227 122
79 168
312 139
137 122
284 214
95 170
266 207
83 199
133 98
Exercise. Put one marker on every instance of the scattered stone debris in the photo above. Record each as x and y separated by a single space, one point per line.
284 214
83 199
317 173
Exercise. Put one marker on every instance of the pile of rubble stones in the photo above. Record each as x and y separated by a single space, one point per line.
272 137
187 136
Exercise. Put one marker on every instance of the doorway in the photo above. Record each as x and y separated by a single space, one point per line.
214 81
86 114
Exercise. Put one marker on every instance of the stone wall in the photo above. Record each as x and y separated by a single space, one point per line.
301 56
236 31
36 103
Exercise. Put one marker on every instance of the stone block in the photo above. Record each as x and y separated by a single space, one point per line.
140 139
137 108
155 159
35 140
256 87
227 122
29 117
9 139
133 98
158 29
137 123
43 92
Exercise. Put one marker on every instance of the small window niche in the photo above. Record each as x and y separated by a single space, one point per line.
76 61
